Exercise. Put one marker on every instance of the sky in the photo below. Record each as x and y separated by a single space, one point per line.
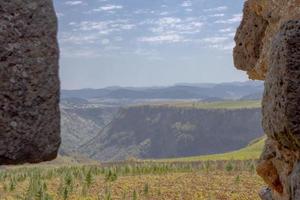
147 42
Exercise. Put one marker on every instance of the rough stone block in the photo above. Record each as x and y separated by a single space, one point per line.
268 48
281 102
249 41
29 84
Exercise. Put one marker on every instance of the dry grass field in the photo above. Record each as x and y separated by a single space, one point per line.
229 176
219 180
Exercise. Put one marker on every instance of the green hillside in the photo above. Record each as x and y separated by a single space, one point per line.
252 151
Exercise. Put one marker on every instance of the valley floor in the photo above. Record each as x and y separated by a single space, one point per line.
222 180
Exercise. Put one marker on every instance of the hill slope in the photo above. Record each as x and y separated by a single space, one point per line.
79 125
250 152
171 131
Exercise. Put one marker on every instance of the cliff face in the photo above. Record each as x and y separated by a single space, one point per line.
79 125
29 85
262 21
164 132
268 48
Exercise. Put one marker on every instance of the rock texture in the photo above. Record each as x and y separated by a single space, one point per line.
29 84
268 48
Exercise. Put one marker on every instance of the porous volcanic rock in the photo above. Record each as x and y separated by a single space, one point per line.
29 84
261 22
268 48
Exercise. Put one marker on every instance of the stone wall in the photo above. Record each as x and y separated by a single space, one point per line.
268 48
29 84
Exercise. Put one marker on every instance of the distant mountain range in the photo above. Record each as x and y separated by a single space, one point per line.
209 92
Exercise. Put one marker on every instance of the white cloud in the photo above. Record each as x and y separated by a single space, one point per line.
175 25
217 15
171 29
186 4
169 20
105 27
223 43
220 8
225 47
92 32
162 39
234 19
78 38
68 52
86 51
214 40
225 30
164 13
127 26
90 52
73 3
108 7
144 11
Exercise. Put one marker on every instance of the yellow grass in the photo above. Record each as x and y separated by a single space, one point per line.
229 176
174 186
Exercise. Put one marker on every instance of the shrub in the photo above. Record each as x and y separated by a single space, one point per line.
229 167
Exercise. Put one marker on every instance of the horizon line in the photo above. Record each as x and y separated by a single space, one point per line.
164 86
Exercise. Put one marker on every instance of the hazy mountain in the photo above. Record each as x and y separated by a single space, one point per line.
253 96
235 90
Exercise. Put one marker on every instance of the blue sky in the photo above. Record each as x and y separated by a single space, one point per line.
147 42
